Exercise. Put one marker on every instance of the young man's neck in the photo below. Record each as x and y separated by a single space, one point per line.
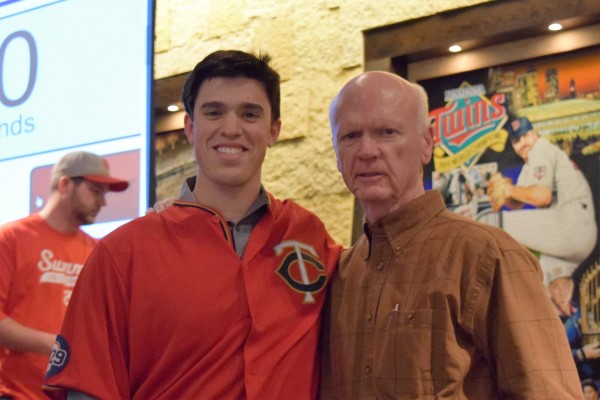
231 201
58 218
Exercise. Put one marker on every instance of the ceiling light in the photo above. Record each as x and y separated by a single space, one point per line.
455 48
555 26
173 108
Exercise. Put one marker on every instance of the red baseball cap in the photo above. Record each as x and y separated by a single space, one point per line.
88 166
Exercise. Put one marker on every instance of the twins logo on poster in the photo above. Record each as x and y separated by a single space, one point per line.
467 126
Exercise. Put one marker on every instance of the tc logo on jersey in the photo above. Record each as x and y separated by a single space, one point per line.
59 357
301 268
539 173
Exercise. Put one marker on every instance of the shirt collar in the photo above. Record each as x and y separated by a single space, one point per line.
400 226
255 211
186 190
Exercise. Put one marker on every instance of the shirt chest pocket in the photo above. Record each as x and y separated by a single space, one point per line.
403 346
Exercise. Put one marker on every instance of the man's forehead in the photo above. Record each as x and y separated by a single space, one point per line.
375 106
241 90
220 82
377 120
376 97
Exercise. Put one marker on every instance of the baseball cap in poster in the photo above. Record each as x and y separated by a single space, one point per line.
88 166
517 127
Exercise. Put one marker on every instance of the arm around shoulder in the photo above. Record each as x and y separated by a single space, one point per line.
95 331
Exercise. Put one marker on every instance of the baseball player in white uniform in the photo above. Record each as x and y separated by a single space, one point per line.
562 227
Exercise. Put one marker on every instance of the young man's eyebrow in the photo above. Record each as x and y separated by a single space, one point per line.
211 104
252 106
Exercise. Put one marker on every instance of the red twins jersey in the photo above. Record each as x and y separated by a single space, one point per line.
165 308
38 270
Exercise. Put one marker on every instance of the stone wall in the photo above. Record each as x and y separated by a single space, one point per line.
316 46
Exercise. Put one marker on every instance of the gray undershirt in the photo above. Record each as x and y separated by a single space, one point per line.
241 230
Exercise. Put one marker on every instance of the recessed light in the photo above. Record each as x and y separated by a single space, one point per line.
173 108
454 48
555 26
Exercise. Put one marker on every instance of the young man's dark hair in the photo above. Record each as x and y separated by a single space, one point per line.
232 64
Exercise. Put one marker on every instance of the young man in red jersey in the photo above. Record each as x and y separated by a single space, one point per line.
220 295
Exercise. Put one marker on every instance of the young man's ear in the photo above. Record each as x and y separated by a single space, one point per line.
188 128
274 132
64 184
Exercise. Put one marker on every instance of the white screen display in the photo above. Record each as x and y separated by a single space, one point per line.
74 75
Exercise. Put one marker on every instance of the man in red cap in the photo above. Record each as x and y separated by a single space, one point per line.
40 259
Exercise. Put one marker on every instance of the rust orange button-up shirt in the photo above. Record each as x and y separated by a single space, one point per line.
431 305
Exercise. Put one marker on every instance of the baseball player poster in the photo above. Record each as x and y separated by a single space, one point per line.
518 146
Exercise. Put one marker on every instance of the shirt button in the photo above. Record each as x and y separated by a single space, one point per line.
215 220
410 315
379 266
368 370
370 317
